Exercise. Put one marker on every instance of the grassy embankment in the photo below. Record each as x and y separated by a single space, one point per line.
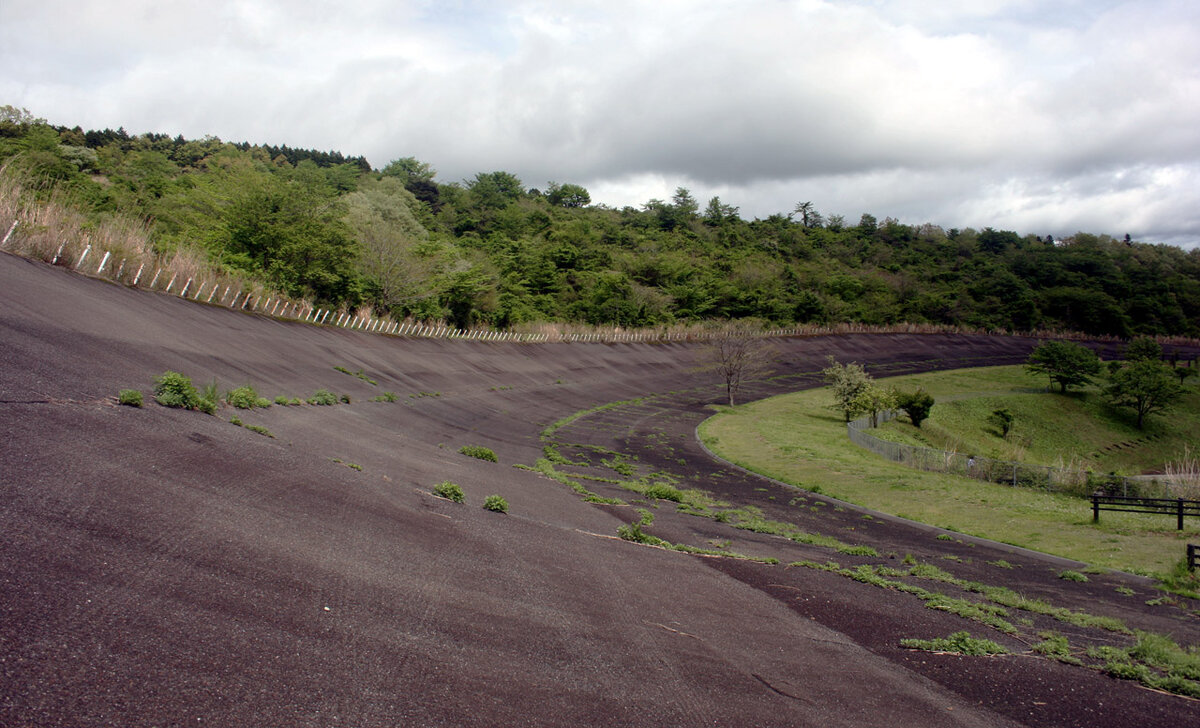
798 439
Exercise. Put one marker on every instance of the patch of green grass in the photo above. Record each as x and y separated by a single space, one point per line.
258 429
1000 564
449 491
323 398
1057 646
129 398
479 453
358 374
797 439
1126 591
385 397
495 503
961 643
1070 575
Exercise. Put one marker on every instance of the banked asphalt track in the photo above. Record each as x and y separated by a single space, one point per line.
166 568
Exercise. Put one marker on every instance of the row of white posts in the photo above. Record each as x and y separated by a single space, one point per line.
284 308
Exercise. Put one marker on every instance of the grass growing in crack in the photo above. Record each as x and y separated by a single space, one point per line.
449 491
1056 646
385 397
258 429
478 452
360 374
495 503
545 467
129 398
1070 575
960 643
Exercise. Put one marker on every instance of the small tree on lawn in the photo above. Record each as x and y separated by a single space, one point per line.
874 399
915 404
1144 385
1143 347
847 381
1066 363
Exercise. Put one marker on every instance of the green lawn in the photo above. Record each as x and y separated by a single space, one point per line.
798 439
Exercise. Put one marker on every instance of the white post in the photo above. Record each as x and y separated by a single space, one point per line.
86 250
183 293
103 262
120 269
138 276
172 282
9 233
58 254
213 292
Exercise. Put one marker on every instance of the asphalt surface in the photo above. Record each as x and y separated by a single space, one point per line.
166 568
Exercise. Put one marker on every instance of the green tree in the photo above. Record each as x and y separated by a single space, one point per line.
567 195
915 404
809 217
1066 363
1143 347
847 382
1143 385
874 399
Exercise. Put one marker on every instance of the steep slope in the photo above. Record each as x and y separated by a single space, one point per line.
163 567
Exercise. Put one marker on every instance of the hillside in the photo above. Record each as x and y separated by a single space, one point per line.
495 251
166 567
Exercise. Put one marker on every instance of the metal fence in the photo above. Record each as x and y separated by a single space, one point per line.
1081 483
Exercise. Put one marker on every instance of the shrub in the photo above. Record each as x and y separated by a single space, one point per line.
495 503
130 397
282 400
173 389
385 397
243 397
323 397
662 491
481 453
449 491
915 404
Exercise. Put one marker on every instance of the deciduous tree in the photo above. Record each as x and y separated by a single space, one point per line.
1143 385
1066 363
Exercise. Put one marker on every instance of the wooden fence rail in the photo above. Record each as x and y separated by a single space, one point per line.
1177 506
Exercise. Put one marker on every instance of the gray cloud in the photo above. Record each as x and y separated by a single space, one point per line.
1003 113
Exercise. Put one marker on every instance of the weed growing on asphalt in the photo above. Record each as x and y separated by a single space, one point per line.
495 503
360 374
173 389
1070 575
385 397
259 429
323 398
479 452
245 397
960 643
449 491
129 397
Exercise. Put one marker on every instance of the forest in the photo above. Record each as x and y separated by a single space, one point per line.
494 251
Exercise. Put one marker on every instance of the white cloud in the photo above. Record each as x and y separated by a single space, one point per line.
1004 113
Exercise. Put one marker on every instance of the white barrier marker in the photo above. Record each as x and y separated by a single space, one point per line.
138 276
183 293
103 262
58 254
172 282
9 233
86 250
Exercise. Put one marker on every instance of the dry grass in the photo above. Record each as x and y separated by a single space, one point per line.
1183 475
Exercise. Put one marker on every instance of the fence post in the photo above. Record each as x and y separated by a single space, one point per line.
1179 512
1191 556
9 234
1095 508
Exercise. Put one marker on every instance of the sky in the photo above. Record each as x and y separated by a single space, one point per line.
1045 117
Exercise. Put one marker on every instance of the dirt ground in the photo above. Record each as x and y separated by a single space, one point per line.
165 568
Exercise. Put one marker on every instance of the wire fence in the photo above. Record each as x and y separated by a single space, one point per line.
1082 483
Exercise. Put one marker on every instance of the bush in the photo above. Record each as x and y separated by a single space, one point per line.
130 397
323 397
495 503
915 404
476 451
173 389
449 491
662 491
243 397
385 397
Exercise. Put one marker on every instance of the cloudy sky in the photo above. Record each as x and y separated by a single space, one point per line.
1040 116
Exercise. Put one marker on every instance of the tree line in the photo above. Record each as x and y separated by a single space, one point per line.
492 250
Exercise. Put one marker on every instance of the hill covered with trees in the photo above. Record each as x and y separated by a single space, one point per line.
491 250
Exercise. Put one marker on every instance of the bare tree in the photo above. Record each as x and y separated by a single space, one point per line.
738 358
